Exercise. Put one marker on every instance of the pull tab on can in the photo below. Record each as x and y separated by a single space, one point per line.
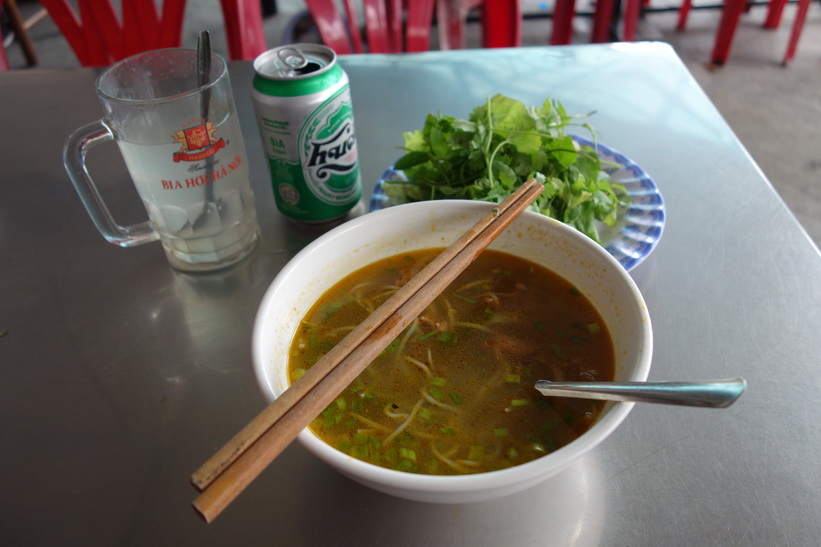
292 57
292 62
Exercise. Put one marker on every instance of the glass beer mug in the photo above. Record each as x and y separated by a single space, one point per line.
183 148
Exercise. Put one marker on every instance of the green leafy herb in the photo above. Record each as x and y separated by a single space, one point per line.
502 145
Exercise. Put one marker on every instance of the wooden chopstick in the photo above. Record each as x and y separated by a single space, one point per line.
234 466
212 468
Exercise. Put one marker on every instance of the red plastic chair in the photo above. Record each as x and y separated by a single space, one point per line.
565 10
795 34
731 15
383 25
501 24
243 28
730 18
99 38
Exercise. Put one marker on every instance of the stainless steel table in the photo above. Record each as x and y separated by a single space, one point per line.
119 376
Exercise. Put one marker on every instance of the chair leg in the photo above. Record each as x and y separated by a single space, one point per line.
243 26
601 21
730 16
632 11
21 31
417 33
501 23
683 13
774 12
450 21
563 14
798 24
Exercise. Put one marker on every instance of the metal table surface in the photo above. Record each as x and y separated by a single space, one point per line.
119 376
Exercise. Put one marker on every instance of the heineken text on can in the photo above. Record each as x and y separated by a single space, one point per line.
302 101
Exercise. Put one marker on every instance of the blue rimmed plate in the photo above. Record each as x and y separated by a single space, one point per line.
639 227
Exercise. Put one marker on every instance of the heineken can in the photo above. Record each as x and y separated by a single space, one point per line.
302 100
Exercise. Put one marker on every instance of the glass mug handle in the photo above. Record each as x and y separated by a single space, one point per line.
74 159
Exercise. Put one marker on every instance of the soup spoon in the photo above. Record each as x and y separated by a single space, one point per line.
703 393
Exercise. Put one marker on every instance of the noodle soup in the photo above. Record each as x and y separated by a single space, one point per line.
453 394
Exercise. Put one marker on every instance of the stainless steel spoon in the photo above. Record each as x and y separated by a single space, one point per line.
703 393
203 78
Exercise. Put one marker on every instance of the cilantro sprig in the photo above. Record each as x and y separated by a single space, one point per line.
503 144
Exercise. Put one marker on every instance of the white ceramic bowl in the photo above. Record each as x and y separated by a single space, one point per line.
437 224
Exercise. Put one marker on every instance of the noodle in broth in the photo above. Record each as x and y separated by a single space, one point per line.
453 394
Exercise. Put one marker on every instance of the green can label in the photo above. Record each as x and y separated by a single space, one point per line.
327 147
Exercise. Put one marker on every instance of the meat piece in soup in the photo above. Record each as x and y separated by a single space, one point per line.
453 394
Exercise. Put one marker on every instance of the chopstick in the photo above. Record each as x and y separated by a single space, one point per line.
226 474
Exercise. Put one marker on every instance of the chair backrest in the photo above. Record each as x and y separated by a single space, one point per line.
99 38
243 28
501 22
383 23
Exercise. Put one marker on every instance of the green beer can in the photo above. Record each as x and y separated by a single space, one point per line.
302 100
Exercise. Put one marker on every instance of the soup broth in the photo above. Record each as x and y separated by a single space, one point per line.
454 393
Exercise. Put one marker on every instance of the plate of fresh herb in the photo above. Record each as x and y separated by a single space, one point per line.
503 143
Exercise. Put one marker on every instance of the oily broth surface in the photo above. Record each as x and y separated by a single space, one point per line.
453 394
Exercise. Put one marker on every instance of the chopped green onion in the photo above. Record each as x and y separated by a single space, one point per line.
476 452
404 465
593 328
501 432
437 381
519 402
407 453
447 337
463 299
456 398
425 413
297 374
427 335
513 378
331 309
341 404
447 431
